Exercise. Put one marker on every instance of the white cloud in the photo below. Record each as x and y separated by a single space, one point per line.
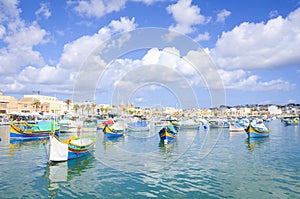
298 73
2 31
44 75
260 45
20 39
122 25
241 80
99 8
185 16
196 69
222 15
9 11
273 13
291 101
76 52
19 55
203 37
139 99
27 36
43 11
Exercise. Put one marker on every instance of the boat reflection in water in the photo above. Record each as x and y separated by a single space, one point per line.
61 174
166 147
253 143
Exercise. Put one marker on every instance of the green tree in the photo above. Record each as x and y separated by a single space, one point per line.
36 104
88 108
82 106
76 107
94 106
68 102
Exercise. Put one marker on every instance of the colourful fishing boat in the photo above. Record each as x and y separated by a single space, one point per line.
244 122
45 125
29 133
169 133
291 121
74 147
111 131
189 124
89 125
236 127
218 124
138 126
257 129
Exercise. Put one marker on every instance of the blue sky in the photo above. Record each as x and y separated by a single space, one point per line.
254 47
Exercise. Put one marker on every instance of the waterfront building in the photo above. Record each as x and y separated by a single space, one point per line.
274 110
46 104
8 104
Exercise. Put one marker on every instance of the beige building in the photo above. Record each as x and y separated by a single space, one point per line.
8 104
47 104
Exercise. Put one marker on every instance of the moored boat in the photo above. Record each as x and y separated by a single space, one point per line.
291 121
189 124
112 131
236 127
74 147
169 133
218 124
68 126
139 126
89 125
29 133
257 129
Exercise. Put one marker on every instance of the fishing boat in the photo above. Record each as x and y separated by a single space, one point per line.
189 124
45 125
236 127
169 133
102 123
89 125
113 131
243 122
291 121
68 126
139 125
29 133
74 147
257 129
218 124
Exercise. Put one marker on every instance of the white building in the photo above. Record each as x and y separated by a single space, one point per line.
274 110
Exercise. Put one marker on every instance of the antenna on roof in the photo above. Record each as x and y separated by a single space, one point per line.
38 92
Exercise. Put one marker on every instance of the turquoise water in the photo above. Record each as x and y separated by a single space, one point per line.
201 164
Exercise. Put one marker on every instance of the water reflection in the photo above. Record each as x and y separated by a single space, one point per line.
166 148
16 145
4 135
61 174
110 141
253 143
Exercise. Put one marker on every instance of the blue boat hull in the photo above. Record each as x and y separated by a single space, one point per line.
252 132
167 135
113 135
73 155
28 137
108 132
257 135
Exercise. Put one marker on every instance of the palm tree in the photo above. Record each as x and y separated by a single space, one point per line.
76 107
94 106
88 108
36 104
82 106
68 102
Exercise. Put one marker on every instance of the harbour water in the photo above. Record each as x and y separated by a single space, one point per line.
204 163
